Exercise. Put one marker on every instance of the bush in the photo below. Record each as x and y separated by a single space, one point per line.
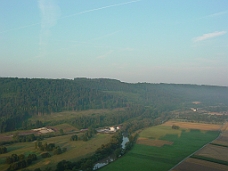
3 150
11 159
175 127
17 165
45 155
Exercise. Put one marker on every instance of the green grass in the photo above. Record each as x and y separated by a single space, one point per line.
157 132
144 158
75 150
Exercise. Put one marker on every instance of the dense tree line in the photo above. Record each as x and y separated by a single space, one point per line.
167 95
24 138
28 124
49 147
45 146
19 161
85 136
201 117
130 143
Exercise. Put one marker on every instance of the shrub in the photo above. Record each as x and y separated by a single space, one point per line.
175 127
45 155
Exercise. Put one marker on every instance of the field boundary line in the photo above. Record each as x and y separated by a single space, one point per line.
196 151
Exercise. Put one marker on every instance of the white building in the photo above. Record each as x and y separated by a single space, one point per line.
112 129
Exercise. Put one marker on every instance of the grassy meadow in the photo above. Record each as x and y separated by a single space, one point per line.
183 142
75 150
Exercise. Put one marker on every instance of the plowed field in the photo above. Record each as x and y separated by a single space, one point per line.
199 165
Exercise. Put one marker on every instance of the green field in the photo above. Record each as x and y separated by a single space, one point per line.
75 150
144 157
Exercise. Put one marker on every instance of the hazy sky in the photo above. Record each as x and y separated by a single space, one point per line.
168 41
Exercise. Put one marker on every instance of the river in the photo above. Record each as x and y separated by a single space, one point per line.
110 158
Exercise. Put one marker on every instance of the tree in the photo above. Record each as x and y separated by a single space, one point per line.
21 157
57 150
37 169
117 152
3 150
175 127
45 155
74 138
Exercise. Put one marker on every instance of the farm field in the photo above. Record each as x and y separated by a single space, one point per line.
223 138
214 151
199 165
75 149
213 157
191 125
161 147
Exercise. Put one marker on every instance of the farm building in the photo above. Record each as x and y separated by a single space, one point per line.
43 130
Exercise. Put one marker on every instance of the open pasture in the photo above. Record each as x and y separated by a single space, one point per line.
75 150
145 157
191 125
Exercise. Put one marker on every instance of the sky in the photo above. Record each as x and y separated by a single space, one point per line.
154 41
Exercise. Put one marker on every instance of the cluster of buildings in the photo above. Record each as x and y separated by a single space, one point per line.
43 130
194 109
109 130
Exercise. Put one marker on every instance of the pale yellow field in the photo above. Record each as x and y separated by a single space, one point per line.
190 125
225 127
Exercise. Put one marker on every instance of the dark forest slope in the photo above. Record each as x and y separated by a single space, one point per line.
21 98
161 93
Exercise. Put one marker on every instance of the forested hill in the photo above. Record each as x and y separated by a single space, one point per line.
155 94
21 97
